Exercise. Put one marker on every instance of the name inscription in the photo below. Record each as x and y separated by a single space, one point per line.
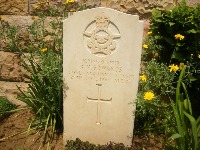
101 70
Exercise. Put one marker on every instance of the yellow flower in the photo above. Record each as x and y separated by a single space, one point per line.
1 17
182 37
149 33
181 65
143 78
145 46
44 50
148 96
173 68
179 37
199 56
69 1
36 6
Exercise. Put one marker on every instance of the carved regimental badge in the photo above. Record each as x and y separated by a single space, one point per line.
101 36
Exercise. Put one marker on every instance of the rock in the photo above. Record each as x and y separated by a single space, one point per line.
10 68
90 3
192 3
9 90
14 7
141 7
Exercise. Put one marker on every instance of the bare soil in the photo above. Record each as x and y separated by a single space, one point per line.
19 121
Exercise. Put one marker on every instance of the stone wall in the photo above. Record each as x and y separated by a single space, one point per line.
141 7
11 76
19 12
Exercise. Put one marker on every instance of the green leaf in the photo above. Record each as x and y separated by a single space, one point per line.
175 136
194 130
192 31
192 79
171 23
156 13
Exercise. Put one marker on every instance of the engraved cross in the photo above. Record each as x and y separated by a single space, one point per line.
99 100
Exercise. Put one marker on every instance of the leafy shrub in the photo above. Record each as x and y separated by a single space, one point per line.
153 115
173 42
175 39
177 33
5 107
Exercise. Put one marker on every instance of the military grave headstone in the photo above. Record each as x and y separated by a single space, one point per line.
101 62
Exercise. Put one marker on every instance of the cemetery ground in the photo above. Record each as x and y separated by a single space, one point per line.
19 121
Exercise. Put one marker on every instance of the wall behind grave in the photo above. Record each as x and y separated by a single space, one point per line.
19 12
141 7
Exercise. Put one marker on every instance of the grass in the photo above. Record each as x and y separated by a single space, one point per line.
5 107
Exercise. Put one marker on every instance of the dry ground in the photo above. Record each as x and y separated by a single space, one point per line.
19 121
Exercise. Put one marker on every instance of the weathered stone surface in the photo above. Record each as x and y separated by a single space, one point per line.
90 3
192 3
9 90
11 7
18 20
101 69
140 7
10 68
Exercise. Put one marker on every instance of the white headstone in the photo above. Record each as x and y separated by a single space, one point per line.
101 62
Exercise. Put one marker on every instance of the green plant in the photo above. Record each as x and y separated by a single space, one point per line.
187 128
9 36
44 94
175 38
5 107
176 32
153 115
43 63
60 9
80 145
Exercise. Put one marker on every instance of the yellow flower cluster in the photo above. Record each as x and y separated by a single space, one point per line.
44 50
149 33
143 78
173 68
179 37
69 1
149 96
199 56
145 46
